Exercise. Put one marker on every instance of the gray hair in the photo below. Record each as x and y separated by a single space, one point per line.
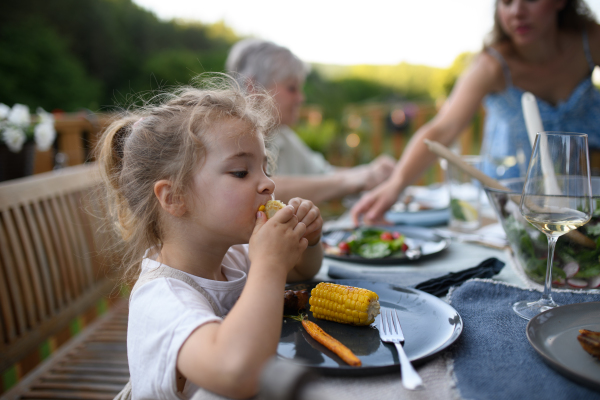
265 63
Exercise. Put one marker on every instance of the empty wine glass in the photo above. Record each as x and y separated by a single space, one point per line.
556 199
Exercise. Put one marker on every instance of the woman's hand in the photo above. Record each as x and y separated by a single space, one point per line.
278 241
379 170
373 205
310 215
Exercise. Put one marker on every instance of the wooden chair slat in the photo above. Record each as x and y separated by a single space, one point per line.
101 370
90 229
78 228
34 229
46 394
7 326
13 283
65 224
33 266
94 362
88 387
24 281
52 377
58 236
53 261
75 251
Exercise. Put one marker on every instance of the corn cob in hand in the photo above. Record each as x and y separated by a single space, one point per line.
344 304
272 207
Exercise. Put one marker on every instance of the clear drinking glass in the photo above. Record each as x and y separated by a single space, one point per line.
556 199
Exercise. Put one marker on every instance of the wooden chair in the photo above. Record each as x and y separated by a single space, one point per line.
51 271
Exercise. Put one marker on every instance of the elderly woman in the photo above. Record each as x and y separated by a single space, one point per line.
300 171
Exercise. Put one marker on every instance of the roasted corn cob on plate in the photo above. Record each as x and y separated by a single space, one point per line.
429 325
553 334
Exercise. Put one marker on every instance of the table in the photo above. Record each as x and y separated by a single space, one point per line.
435 373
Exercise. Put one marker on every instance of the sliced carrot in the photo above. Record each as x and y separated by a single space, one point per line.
332 344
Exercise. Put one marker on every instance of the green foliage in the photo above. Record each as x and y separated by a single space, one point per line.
171 67
37 70
318 137
92 53
104 49
334 94
451 75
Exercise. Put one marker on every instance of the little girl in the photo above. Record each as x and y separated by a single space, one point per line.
186 179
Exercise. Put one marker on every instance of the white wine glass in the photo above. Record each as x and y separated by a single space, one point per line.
556 198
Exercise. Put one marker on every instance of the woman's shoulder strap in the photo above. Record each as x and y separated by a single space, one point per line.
505 70
167 272
587 51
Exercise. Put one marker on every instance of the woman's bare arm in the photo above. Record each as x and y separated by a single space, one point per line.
483 76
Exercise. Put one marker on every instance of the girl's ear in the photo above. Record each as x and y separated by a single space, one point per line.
169 202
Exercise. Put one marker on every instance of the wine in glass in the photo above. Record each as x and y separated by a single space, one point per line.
556 198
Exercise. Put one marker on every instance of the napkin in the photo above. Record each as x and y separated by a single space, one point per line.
493 359
431 283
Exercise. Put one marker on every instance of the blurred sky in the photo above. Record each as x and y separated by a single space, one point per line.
429 32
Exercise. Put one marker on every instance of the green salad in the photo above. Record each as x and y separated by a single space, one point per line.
574 265
374 243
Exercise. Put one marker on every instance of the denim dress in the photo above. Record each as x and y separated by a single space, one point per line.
506 149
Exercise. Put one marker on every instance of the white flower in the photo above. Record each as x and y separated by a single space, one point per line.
44 134
14 138
19 115
45 117
4 111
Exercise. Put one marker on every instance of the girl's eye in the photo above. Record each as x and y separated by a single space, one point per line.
240 174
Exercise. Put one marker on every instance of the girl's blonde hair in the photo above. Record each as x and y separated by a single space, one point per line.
167 141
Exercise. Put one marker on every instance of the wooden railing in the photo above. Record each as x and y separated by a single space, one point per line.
77 135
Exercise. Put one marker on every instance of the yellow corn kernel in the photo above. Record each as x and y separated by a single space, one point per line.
261 208
344 304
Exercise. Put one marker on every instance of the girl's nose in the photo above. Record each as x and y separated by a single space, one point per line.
266 186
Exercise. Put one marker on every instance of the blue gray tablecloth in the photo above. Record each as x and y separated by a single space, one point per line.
493 358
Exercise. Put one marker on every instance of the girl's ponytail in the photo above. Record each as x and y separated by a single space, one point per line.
110 158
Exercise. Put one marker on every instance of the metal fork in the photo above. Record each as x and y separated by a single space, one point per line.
390 331
334 238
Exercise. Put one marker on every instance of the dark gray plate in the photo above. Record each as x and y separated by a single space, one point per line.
553 334
429 325
431 217
429 242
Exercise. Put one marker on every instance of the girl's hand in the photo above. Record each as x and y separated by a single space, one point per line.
310 215
278 241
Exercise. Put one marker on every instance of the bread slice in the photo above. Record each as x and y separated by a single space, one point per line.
272 207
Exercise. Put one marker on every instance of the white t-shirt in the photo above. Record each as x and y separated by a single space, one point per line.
294 157
162 315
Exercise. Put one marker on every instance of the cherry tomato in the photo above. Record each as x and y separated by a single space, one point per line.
396 235
404 247
344 247
387 236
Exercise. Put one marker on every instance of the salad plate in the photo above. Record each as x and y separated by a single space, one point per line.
421 206
369 245
553 334
429 325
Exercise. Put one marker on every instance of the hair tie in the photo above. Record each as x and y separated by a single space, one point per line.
138 121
